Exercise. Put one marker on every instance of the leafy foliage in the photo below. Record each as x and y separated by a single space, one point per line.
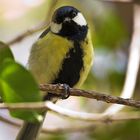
5 52
17 85
110 31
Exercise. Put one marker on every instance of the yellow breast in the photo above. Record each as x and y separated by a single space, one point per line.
48 53
46 57
87 59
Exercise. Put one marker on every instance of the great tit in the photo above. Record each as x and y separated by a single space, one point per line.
62 54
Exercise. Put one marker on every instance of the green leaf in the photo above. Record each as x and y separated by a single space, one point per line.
5 52
17 85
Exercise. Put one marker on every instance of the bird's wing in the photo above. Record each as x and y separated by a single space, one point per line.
44 33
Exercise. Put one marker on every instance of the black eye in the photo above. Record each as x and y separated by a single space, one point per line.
73 14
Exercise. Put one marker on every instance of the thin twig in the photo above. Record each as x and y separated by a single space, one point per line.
45 24
71 114
92 116
56 130
29 32
24 106
133 64
72 129
59 90
36 28
9 121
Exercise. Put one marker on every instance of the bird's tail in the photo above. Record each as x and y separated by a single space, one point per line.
30 131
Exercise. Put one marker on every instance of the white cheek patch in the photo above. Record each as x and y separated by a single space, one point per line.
55 28
80 20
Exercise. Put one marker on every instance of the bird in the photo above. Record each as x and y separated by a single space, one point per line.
62 54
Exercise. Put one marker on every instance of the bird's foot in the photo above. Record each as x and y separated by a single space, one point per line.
66 92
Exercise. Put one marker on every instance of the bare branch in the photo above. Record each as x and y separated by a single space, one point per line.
36 28
56 130
9 121
27 33
72 129
133 64
45 24
24 106
59 90
71 114
92 116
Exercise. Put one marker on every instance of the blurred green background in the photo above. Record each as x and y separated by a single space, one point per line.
111 28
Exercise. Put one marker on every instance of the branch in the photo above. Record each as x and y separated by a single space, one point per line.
91 116
59 90
36 28
57 130
133 64
69 129
45 24
29 32
71 114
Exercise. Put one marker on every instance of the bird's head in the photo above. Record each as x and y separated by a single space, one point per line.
69 22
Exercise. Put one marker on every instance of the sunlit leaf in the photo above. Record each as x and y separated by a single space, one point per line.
18 85
5 52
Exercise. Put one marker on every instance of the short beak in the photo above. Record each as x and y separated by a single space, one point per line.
67 20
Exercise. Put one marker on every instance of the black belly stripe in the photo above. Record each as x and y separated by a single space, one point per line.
71 67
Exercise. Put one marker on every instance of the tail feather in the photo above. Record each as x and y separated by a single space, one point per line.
29 131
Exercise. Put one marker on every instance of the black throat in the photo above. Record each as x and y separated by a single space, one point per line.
73 32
